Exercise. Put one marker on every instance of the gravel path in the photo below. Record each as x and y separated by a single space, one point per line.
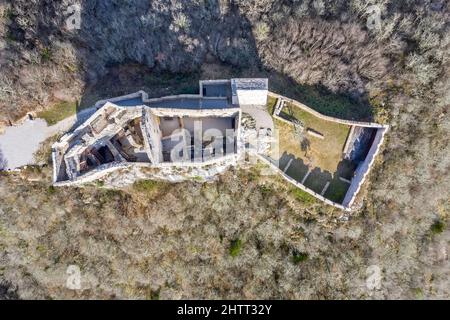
261 116
19 143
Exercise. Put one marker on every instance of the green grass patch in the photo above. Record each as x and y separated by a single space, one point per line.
317 180
328 103
437 227
9 14
336 190
46 55
58 112
153 294
271 101
303 196
265 190
183 83
298 257
324 154
418 293
99 183
332 129
106 196
51 190
146 185
41 249
235 247
110 193
10 37
188 90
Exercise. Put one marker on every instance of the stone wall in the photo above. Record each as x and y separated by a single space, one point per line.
152 140
324 117
349 141
170 171
172 112
363 169
140 94
178 171
301 186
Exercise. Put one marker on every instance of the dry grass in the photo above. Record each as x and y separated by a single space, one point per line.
44 154
324 154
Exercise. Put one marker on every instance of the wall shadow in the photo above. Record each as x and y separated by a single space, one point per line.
293 166
317 179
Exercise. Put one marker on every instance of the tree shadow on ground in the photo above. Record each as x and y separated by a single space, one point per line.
321 99
131 77
168 65
123 49
157 72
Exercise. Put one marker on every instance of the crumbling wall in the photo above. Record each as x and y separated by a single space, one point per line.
301 186
173 112
363 169
178 171
321 116
173 172
152 136
140 94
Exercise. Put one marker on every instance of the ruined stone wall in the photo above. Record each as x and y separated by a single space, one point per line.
170 171
173 112
218 81
140 94
363 169
152 136
349 141
178 171
324 117
58 162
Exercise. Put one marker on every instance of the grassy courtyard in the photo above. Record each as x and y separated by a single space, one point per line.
299 154
323 153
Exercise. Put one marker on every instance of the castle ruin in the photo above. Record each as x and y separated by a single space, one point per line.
184 136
